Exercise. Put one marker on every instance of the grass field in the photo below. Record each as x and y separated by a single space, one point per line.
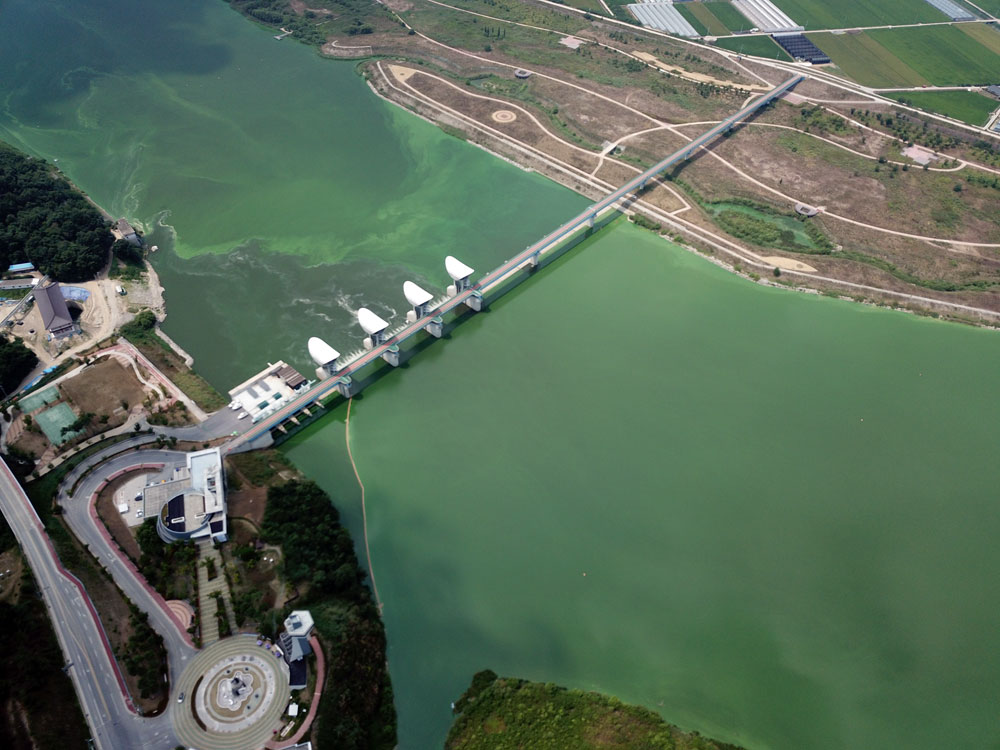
988 36
592 5
762 46
685 10
731 18
867 61
822 14
712 24
967 106
945 55
990 6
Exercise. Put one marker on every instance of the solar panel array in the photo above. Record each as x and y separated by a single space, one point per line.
766 16
799 47
662 16
954 11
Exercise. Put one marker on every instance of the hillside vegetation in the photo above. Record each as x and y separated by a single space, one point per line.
47 222
500 713
16 361
356 709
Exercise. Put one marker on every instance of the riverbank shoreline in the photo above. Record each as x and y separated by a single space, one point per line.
512 151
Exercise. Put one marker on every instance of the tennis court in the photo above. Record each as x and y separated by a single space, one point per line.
37 400
53 419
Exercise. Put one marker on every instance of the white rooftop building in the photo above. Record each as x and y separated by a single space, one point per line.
269 390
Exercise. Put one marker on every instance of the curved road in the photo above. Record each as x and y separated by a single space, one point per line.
91 532
90 664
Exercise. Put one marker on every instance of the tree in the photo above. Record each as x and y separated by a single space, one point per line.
47 222
16 361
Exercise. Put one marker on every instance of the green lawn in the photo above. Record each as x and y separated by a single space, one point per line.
945 55
762 46
967 106
866 61
840 14
730 17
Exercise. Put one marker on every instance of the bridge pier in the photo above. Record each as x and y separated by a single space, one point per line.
474 301
593 217
391 355
345 386
435 328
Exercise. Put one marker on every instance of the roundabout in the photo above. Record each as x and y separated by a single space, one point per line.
234 696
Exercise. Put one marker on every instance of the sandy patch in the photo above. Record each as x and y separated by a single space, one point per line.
788 264
919 154
503 115
700 77
571 41
402 74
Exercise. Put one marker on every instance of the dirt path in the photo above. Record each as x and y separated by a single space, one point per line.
825 212
723 244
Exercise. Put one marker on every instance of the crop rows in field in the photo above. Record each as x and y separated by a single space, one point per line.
967 106
918 56
842 14
761 46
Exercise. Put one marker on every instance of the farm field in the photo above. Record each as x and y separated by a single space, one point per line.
685 10
988 36
990 6
967 106
762 46
866 61
822 14
728 15
945 55
704 17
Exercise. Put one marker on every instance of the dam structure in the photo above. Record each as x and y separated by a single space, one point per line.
336 371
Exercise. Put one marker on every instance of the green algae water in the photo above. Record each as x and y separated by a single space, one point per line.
785 506
283 194
769 516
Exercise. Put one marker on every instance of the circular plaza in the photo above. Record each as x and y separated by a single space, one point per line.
234 696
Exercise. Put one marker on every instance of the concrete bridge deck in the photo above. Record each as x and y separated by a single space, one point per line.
529 256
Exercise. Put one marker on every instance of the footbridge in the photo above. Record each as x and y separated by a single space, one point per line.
427 313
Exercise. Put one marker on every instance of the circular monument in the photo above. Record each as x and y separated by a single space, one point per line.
234 696
504 115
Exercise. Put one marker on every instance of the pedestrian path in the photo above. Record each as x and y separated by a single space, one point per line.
206 588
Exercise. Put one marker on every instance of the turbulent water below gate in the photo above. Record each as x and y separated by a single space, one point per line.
770 516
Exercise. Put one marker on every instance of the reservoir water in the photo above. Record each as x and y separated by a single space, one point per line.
295 194
769 516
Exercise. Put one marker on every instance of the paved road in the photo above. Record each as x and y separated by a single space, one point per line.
93 671
78 516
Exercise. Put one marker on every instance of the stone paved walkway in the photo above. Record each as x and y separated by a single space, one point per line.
206 588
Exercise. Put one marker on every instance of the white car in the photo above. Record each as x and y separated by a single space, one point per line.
234 405
243 415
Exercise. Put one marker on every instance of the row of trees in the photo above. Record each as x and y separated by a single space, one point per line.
45 221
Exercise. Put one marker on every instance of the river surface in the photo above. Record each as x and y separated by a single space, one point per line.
769 516
295 195
772 517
